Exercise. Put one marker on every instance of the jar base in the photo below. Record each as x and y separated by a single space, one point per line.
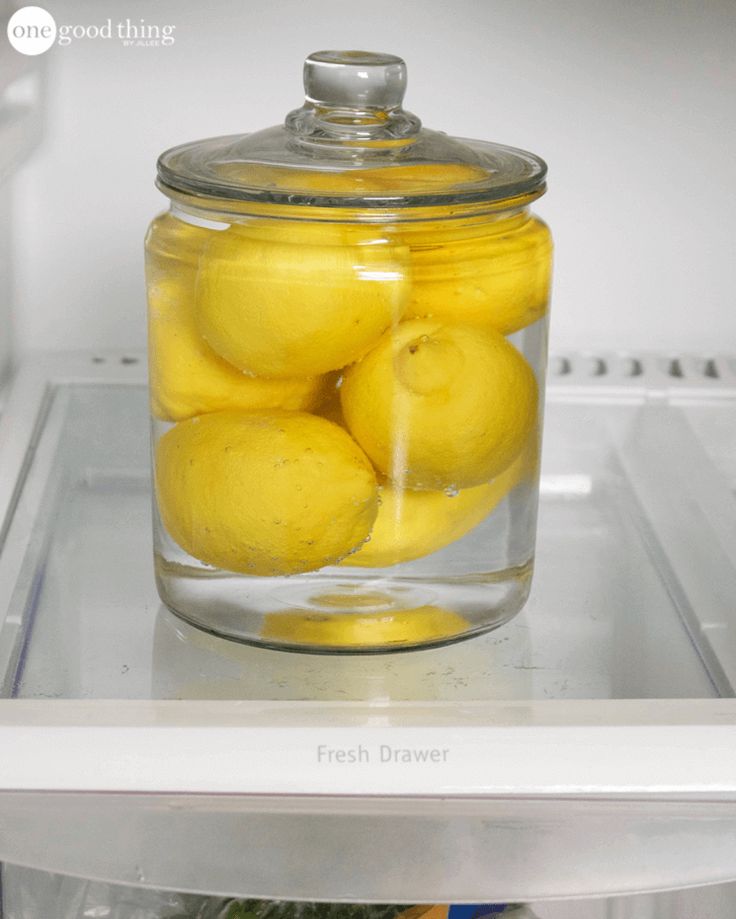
335 613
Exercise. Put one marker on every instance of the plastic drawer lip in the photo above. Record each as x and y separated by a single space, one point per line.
550 748
548 849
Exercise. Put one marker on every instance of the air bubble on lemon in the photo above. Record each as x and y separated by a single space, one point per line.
394 628
412 524
498 280
438 406
287 299
264 493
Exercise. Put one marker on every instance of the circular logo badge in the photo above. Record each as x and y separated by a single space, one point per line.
31 30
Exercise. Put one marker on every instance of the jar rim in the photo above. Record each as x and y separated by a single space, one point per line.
347 210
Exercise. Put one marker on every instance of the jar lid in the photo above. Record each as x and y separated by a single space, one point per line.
351 145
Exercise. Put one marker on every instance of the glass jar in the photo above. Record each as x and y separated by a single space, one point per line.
347 339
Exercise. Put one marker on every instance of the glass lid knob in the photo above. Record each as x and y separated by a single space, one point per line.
363 79
353 99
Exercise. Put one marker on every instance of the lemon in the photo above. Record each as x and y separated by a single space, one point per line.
187 378
440 406
393 628
422 178
498 279
284 299
264 493
412 524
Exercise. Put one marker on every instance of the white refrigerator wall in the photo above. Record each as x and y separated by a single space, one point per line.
631 103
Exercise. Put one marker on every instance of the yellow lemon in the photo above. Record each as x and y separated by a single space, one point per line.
364 630
296 300
412 524
186 377
440 406
498 279
423 178
264 493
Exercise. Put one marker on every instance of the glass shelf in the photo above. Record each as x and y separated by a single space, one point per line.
601 622
595 726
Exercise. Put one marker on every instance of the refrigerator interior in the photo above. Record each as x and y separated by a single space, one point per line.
592 736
